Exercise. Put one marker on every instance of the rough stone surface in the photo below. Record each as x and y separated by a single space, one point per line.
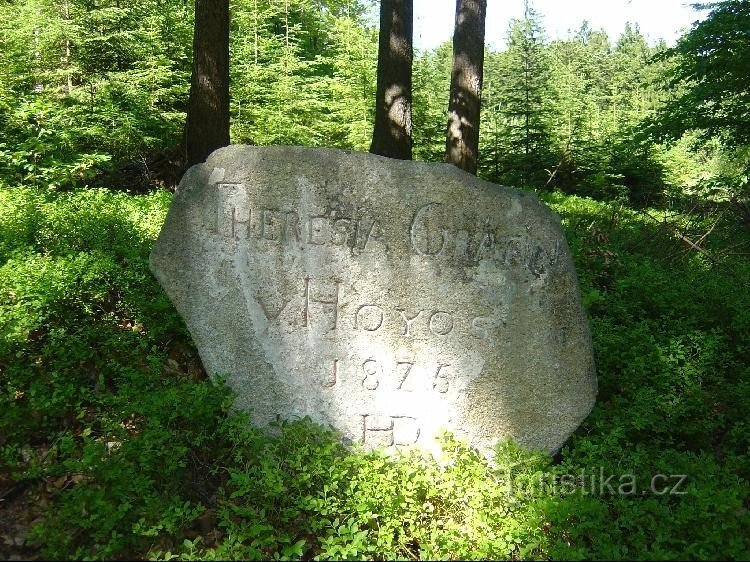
388 299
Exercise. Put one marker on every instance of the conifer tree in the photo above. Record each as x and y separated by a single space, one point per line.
524 89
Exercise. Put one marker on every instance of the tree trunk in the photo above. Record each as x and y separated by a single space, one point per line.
392 134
207 126
462 143
255 16
66 48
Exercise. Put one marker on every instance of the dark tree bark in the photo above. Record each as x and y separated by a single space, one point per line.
207 126
462 143
392 133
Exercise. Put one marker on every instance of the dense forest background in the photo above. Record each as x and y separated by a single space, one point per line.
116 444
89 88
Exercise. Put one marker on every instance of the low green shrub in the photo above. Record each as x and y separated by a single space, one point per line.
107 417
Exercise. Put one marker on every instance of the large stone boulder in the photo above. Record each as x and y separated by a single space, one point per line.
388 299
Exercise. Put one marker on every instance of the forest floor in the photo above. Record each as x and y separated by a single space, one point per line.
115 445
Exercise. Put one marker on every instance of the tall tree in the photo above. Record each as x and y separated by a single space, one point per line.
462 142
525 96
207 126
393 125
710 85
711 75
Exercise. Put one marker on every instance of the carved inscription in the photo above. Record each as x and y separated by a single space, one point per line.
403 368
385 431
408 320
427 238
404 374
432 234
332 303
269 311
405 430
371 318
427 235
285 227
372 371
385 299
368 317
430 238
441 323
320 307
441 382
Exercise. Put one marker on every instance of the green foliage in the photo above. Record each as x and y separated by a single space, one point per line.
42 152
130 452
570 115
84 86
88 88
106 414
431 89
711 75
82 377
301 74
90 91
520 86
671 342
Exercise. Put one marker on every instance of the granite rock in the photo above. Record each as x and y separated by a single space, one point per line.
388 299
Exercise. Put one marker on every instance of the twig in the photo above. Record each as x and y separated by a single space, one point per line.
16 490
696 246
